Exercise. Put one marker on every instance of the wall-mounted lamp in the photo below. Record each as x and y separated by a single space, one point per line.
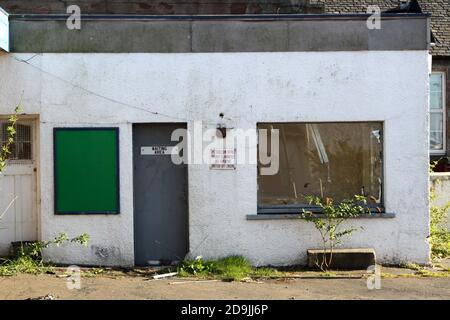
221 127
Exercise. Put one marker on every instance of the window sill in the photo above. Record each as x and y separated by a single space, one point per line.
438 153
278 216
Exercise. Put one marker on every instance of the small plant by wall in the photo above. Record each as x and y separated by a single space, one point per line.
5 150
28 259
231 268
329 223
439 233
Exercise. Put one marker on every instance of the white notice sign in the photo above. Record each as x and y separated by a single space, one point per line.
223 159
158 151
4 30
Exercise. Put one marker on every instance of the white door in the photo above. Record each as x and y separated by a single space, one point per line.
18 188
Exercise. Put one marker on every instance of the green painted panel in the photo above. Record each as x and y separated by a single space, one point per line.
86 168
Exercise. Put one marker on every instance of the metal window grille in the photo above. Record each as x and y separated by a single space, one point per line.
22 148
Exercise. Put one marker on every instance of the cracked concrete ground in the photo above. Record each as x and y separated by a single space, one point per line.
110 286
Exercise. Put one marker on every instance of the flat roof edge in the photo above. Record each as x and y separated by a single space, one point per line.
249 17
166 35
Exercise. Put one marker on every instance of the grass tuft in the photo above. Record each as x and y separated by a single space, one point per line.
93 272
411 266
23 264
232 268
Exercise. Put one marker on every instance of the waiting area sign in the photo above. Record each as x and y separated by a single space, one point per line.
4 30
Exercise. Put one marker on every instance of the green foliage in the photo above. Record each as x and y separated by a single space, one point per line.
329 222
94 272
195 267
433 165
34 249
232 268
264 272
29 257
411 266
439 234
432 274
5 150
23 264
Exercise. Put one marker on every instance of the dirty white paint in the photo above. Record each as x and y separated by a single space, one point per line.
18 202
248 88
18 206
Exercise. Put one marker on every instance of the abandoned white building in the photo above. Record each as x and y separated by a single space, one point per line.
100 99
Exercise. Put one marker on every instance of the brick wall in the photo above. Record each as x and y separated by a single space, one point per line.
181 7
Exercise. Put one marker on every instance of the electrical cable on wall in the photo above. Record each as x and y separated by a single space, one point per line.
90 92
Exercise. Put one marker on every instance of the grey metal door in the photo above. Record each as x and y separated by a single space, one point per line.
160 197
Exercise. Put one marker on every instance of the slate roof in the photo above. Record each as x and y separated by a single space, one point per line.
439 10
440 24
166 7
355 6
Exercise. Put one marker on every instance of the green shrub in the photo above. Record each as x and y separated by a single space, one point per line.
22 264
232 268
194 267
329 223
29 257
439 233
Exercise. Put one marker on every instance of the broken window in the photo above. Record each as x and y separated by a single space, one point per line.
437 112
336 160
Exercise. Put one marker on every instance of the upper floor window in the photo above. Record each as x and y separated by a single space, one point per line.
437 113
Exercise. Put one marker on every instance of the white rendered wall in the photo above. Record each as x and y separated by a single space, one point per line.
249 88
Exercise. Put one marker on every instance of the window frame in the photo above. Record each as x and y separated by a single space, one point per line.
295 209
439 152
24 121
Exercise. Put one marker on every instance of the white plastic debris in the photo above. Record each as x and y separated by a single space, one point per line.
165 275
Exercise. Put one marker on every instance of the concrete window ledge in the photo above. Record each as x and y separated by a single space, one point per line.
276 216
